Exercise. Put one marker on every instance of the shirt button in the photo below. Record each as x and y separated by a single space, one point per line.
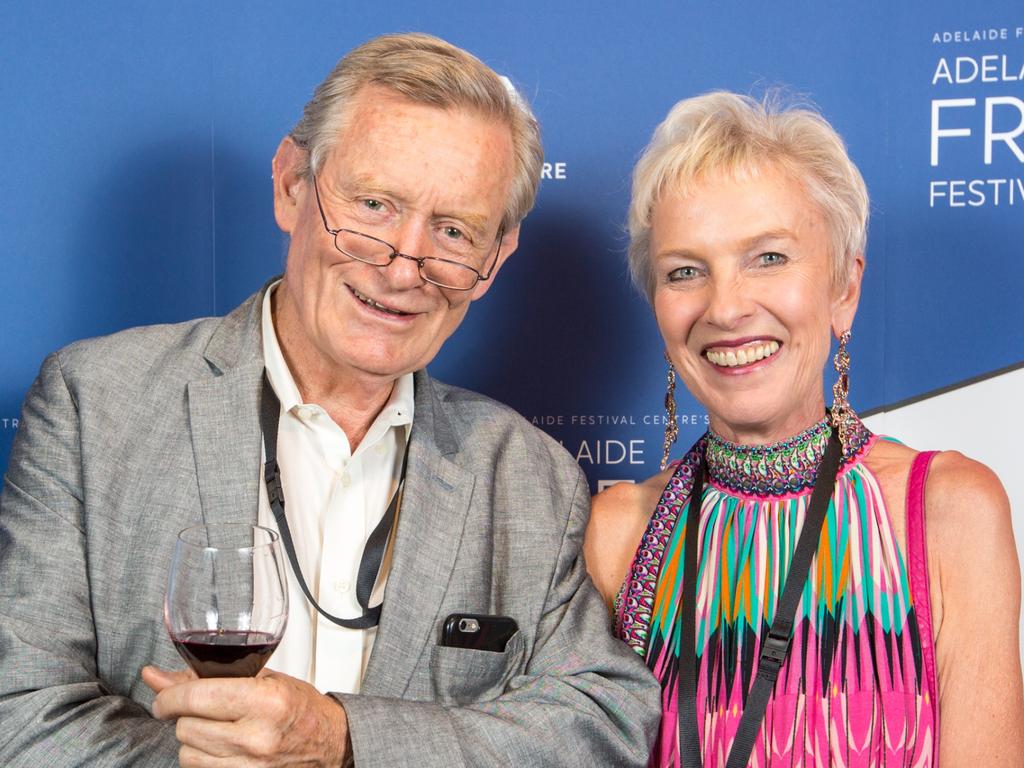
342 586
346 479
380 448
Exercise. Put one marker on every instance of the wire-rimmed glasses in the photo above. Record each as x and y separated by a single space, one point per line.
443 272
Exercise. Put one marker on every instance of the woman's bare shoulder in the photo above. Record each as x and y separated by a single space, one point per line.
618 519
965 496
959 491
631 499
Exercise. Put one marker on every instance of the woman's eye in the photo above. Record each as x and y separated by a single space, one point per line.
772 259
683 273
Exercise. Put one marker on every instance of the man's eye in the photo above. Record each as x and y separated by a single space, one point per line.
772 259
453 233
373 205
683 273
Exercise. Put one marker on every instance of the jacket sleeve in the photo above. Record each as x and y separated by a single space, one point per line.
584 699
55 710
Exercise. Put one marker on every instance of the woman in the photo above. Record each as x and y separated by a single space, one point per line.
747 232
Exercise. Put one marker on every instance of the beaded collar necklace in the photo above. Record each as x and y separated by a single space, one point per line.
777 469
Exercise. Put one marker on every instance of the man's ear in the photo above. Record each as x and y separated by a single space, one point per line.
288 184
509 243
844 306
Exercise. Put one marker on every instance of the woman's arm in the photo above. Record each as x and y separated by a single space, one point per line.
976 577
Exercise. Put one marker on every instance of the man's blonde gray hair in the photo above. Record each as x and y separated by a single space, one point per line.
426 70
723 132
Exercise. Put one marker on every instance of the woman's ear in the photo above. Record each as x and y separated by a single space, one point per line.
844 306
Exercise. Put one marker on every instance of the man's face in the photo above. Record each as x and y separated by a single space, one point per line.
409 174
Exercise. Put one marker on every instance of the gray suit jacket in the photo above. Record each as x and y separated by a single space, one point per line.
125 440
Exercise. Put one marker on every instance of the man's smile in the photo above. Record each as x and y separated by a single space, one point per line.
374 304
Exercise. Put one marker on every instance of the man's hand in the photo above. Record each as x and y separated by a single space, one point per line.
268 720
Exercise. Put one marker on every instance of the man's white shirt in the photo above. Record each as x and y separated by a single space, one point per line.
334 500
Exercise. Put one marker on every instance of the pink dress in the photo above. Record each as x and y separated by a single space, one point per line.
858 686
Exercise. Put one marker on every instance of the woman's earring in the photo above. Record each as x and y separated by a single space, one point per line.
671 425
843 417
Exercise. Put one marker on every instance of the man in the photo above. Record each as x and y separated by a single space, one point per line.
402 189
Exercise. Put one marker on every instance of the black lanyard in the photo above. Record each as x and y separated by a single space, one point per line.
376 544
774 647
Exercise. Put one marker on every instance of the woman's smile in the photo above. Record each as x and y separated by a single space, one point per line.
740 356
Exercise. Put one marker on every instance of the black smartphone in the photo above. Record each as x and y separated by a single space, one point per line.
478 631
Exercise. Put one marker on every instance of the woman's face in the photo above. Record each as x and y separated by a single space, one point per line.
744 300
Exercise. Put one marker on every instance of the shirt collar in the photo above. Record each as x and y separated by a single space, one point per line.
397 411
273 358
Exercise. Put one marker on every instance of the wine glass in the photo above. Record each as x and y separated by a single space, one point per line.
227 598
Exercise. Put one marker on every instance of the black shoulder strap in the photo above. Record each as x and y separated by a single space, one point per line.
689 734
376 544
775 646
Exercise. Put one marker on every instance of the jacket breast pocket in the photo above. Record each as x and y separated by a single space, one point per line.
461 676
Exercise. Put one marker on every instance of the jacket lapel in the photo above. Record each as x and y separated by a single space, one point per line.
432 516
226 442
224 420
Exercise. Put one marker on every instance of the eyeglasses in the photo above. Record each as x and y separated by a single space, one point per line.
444 272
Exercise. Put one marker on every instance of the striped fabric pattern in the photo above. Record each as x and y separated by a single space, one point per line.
852 691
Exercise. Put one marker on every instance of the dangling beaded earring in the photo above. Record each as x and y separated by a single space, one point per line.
671 425
843 417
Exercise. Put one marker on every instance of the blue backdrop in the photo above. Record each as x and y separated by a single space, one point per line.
136 181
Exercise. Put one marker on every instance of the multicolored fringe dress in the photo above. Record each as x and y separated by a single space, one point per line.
858 687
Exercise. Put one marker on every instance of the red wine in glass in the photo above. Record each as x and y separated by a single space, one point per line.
227 598
225 653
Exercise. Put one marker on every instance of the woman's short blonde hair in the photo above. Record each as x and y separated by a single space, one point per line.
723 132
426 70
